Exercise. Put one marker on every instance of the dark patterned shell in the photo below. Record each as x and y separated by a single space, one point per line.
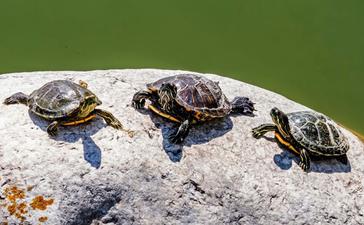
198 94
57 99
317 133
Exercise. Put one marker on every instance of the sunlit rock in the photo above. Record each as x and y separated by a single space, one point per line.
94 174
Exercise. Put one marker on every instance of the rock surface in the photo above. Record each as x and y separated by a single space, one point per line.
93 174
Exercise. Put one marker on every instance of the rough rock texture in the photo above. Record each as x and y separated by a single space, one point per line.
93 174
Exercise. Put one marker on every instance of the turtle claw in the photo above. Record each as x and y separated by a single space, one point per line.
138 104
139 98
115 124
52 133
182 132
303 166
256 133
175 139
243 105
52 129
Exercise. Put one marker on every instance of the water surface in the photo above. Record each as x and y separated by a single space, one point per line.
310 51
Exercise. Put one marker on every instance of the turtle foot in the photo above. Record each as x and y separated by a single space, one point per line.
52 129
115 124
243 105
181 134
304 160
138 104
176 139
256 133
303 166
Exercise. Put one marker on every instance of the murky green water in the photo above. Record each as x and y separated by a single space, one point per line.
311 51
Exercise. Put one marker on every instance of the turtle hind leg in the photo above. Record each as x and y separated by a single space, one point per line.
82 83
242 105
258 132
182 132
17 98
343 159
305 161
52 128
139 98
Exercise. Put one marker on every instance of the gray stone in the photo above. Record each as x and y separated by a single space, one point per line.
93 174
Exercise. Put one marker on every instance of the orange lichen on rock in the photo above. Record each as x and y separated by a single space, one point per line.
12 209
43 219
20 217
18 207
40 203
13 193
22 208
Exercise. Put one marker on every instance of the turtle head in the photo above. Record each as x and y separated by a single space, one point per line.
280 119
88 105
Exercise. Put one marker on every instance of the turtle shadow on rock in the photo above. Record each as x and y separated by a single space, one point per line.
199 133
71 134
319 164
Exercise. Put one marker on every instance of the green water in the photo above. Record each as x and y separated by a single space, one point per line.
312 51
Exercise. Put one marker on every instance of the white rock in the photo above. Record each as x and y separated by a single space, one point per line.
222 175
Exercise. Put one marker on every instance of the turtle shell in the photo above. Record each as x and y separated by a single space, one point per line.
57 99
317 133
197 94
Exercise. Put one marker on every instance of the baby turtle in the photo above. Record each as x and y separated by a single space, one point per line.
306 133
64 103
187 99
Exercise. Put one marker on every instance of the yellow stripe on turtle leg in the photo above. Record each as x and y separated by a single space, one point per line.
73 123
157 111
285 143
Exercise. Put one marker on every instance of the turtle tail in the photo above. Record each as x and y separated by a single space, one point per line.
242 105
17 98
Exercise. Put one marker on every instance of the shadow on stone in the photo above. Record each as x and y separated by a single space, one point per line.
319 164
71 134
199 133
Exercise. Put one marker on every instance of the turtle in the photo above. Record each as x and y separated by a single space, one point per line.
188 99
64 102
306 133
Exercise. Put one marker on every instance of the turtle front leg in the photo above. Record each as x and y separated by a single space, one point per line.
52 128
182 132
262 129
305 161
109 118
139 98
17 98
